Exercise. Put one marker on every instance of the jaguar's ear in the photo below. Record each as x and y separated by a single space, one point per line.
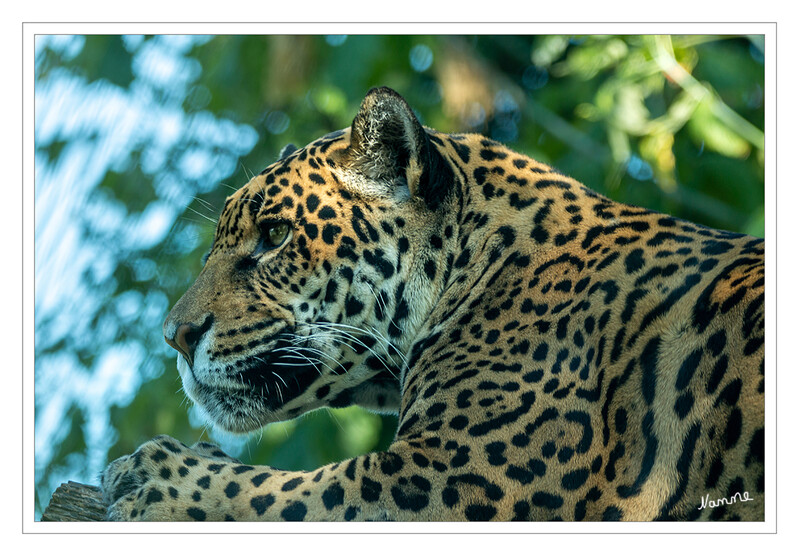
286 151
389 145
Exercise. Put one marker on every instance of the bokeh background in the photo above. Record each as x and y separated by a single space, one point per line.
139 139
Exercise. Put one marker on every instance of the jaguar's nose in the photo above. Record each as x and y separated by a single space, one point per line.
185 341
187 337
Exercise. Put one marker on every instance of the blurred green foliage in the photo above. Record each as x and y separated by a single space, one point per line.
674 124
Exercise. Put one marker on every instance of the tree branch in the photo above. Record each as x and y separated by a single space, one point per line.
75 502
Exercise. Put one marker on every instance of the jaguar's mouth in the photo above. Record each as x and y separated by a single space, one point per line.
281 373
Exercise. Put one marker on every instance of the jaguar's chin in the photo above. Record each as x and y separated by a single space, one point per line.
245 410
258 389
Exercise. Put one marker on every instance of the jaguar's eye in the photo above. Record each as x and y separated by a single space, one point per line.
275 233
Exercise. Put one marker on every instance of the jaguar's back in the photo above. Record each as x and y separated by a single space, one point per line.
606 358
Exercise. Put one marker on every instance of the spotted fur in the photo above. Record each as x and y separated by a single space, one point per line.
551 354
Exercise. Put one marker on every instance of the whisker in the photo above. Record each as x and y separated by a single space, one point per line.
384 306
367 333
389 344
311 361
313 350
202 215
335 419
358 341
264 384
205 203
333 337
281 379
294 354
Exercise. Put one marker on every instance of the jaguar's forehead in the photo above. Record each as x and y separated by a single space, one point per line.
316 155
301 184
304 172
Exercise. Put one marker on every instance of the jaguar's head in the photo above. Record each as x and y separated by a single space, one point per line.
320 272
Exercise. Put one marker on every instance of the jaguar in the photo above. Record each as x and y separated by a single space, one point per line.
551 354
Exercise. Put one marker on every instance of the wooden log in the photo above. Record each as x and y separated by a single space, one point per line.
75 502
